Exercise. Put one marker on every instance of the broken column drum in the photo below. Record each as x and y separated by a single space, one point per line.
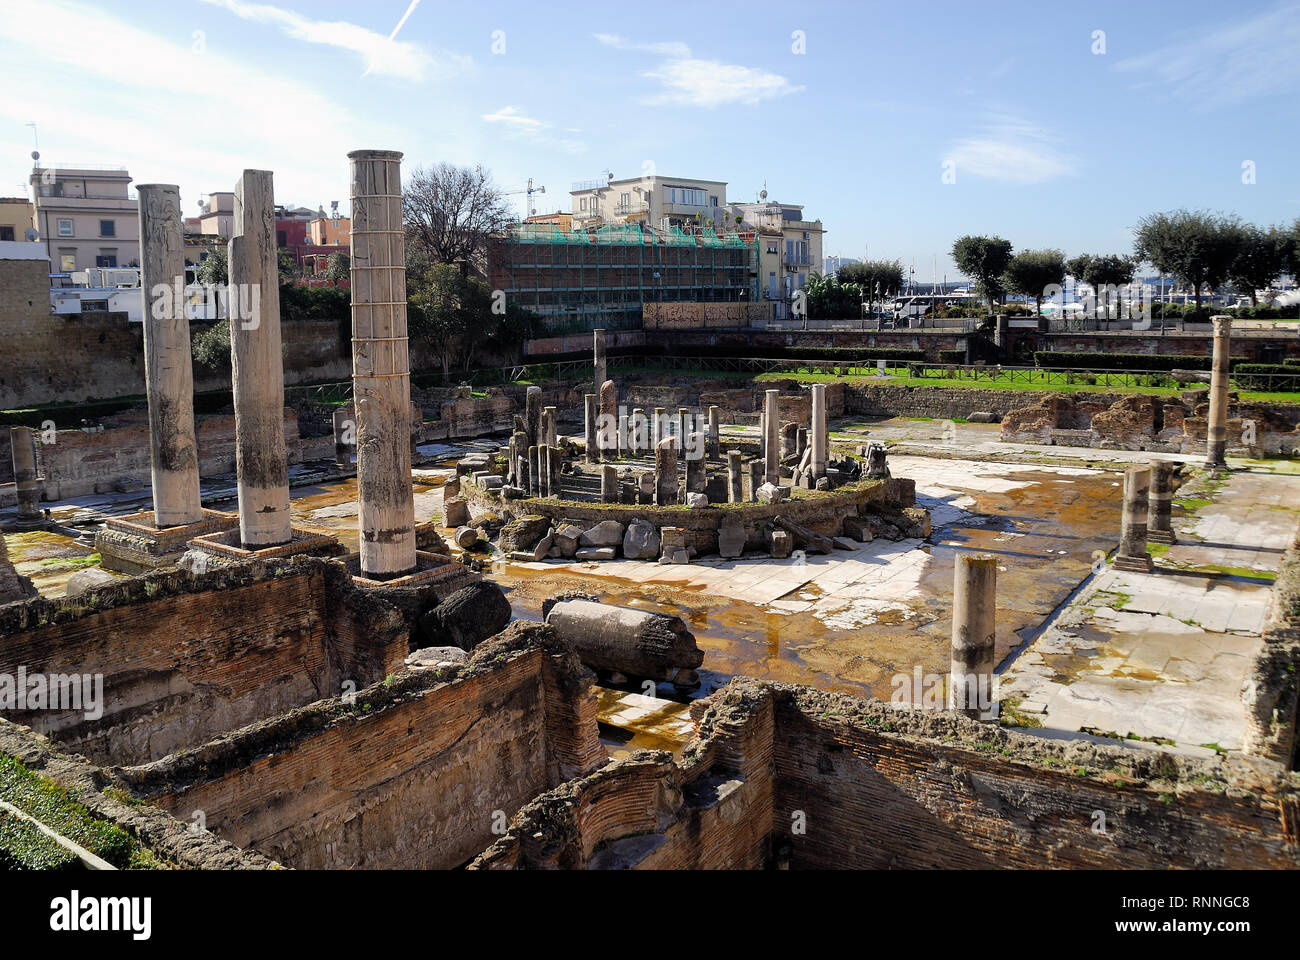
1160 527
381 366
715 443
257 367
666 472
974 634
22 444
592 412
533 415
550 428
1216 427
696 477
168 374
1132 553
344 436
633 642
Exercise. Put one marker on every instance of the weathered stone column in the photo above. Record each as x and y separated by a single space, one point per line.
381 366
345 436
623 444
550 427
756 470
168 376
533 415
1160 528
1216 425
682 425
1001 330
592 411
696 475
666 472
257 366
637 440
735 482
715 443
771 438
598 350
974 632
534 471
1132 553
546 469
608 432
609 483
657 433
820 436
22 443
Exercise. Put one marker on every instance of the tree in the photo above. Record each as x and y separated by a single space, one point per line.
1195 246
449 312
1108 271
984 260
878 279
1031 272
338 267
1262 257
215 270
1077 267
451 211
829 299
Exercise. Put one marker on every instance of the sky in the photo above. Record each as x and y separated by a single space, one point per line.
901 126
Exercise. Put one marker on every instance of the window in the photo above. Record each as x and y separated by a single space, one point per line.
6 233
582 203
281 238
67 262
107 228
94 306
713 201
688 196
65 227
106 259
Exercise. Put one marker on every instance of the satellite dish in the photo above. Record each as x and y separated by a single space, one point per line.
36 155
762 194
30 233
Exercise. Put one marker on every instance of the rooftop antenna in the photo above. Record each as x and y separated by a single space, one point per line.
36 143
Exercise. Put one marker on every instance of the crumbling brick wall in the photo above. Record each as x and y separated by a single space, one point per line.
414 774
1272 691
186 657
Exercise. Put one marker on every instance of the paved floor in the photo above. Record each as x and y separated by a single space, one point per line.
1164 656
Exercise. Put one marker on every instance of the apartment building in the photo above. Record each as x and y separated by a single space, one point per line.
15 219
217 214
86 216
789 248
331 231
661 202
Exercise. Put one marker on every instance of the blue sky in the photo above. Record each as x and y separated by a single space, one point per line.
1053 141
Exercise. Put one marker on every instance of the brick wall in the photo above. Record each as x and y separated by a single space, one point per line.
185 658
412 776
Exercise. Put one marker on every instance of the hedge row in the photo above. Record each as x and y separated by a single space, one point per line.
1267 376
1126 361
952 356
839 354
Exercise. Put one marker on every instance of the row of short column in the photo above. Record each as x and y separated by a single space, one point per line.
608 435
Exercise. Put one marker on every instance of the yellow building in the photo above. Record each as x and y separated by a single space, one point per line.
15 218
329 232
789 248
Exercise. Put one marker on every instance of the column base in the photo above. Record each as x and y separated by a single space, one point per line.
445 575
133 544
223 549
1161 536
1134 564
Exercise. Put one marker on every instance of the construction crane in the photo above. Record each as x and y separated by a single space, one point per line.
529 209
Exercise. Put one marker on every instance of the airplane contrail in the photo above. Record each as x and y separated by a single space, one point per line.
406 16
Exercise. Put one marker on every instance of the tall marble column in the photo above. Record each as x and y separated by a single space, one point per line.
168 375
381 382
257 367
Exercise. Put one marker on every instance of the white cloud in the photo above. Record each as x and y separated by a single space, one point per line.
519 126
671 48
1253 58
200 135
687 81
381 54
1010 150
710 83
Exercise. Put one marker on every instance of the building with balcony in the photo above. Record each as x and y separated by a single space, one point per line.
789 248
217 214
662 202
86 216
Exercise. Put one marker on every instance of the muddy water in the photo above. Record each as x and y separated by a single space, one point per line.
1044 533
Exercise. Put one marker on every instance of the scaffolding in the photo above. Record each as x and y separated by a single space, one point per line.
583 279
